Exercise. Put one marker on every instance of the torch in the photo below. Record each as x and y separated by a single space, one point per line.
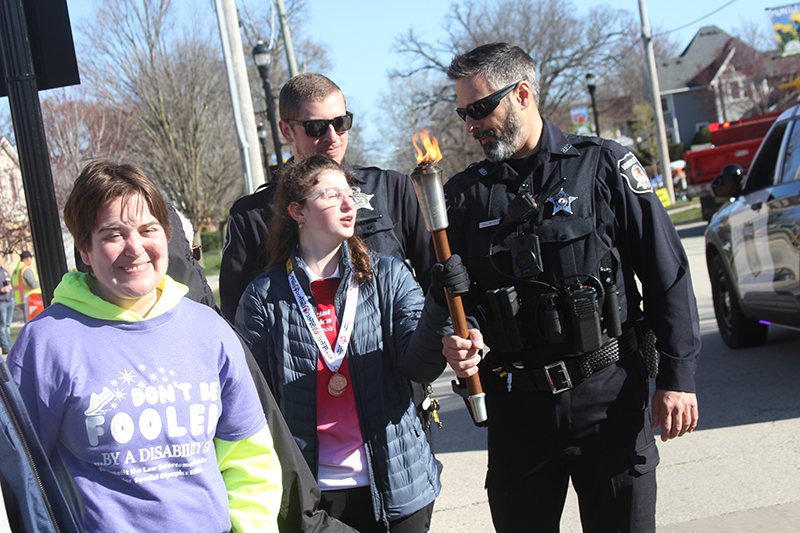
427 180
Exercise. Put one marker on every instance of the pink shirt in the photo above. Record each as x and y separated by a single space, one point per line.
342 457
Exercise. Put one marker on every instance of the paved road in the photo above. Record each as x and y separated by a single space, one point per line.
739 472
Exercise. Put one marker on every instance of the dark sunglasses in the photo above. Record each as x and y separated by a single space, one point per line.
318 128
480 109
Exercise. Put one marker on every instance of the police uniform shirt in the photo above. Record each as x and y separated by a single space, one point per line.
626 215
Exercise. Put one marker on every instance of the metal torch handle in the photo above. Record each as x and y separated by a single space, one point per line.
459 318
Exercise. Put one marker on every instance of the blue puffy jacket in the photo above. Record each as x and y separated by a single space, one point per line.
382 357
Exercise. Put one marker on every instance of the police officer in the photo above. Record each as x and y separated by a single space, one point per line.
552 229
315 120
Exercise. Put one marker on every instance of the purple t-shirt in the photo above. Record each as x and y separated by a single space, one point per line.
128 412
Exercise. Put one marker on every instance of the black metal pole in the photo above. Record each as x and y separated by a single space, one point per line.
34 159
594 108
276 139
262 140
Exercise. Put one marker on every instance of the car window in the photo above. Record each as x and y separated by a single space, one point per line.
791 161
762 171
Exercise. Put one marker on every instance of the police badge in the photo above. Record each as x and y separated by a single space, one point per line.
362 200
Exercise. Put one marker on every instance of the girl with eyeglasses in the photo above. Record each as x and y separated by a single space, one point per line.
335 329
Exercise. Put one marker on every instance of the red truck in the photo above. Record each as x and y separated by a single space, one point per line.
732 142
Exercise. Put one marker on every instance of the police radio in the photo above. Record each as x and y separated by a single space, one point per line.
522 208
584 312
504 306
552 319
611 307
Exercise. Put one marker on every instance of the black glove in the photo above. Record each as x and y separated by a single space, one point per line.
452 275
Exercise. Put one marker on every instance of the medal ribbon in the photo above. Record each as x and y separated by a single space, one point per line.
333 358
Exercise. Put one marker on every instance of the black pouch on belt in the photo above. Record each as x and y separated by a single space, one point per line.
647 341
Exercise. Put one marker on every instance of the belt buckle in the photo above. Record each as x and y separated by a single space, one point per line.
563 376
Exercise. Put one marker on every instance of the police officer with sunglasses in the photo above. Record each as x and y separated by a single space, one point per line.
315 120
552 231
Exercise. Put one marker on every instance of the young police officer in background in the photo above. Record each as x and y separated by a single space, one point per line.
314 119
552 228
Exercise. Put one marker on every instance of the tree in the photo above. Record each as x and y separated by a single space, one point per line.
755 70
6 127
644 131
631 64
564 47
260 23
15 233
79 129
172 82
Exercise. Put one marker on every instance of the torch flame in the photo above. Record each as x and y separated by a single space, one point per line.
432 153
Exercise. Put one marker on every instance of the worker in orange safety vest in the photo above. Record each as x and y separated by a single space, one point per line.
24 279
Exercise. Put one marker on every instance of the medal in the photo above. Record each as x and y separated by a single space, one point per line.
337 385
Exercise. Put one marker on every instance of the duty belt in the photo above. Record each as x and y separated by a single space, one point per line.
560 376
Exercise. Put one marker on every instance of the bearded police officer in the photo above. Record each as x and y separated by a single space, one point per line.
553 228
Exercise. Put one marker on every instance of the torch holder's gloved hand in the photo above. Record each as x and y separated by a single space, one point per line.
452 276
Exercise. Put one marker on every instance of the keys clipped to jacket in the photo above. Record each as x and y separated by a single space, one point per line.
432 404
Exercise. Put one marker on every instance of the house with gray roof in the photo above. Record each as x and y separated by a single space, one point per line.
719 78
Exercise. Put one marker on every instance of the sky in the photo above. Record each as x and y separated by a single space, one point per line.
359 35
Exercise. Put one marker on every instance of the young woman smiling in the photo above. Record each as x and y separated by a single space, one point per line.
142 398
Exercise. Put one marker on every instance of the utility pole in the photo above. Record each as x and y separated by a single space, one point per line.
243 114
287 40
658 118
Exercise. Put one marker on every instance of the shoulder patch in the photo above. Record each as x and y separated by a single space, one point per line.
634 174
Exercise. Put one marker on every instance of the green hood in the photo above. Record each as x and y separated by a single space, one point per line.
75 292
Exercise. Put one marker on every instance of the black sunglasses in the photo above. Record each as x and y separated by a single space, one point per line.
318 128
480 109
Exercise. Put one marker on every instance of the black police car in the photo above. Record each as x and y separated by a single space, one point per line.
753 242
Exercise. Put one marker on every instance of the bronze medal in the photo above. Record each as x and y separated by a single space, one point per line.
337 385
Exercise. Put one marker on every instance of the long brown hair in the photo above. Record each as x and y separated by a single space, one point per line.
295 183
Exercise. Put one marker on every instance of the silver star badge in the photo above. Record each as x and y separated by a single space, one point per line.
362 200
562 202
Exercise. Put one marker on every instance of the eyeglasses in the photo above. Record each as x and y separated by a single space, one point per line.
330 196
318 128
480 109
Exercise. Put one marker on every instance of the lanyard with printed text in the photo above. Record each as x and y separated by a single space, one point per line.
333 358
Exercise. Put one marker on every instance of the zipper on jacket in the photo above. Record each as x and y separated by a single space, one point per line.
26 448
377 497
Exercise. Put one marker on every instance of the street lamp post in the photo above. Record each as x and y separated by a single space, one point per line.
263 59
590 84
262 138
